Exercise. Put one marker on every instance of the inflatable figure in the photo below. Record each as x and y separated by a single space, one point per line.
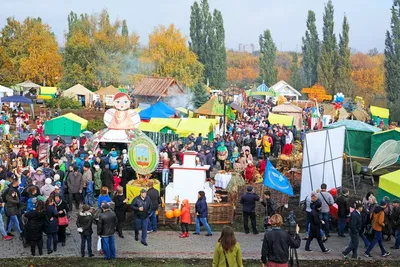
121 118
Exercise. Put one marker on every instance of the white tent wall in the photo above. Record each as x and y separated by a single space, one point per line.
322 160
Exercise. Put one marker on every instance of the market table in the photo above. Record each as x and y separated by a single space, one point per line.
222 180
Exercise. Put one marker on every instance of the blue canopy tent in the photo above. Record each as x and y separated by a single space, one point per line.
153 112
19 99
165 108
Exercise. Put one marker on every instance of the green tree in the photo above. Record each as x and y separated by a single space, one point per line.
207 36
200 95
311 51
295 76
124 31
268 71
392 59
327 60
343 82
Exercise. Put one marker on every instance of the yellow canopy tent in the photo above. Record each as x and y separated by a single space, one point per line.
186 111
149 127
78 119
171 123
196 126
286 120
47 92
380 113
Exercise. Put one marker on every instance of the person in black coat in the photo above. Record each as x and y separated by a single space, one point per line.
248 200
35 227
154 196
276 243
107 178
343 211
209 161
84 223
315 227
141 206
355 228
120 209
51 225
62 210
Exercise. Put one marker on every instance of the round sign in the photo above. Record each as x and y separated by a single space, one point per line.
143 155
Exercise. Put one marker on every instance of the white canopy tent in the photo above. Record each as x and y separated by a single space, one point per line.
5 91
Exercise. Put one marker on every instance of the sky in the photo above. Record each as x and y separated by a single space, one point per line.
244 20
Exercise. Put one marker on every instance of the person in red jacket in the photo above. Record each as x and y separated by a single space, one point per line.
263 165
29 140
249 173
185 218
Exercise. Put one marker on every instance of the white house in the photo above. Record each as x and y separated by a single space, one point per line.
286 90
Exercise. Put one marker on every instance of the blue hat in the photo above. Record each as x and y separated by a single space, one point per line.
383 203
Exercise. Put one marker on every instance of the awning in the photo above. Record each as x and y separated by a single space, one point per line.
286 120
78 119
237 108
380 112
48 90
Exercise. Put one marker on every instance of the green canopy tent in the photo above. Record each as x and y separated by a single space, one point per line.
358 137
62 126
389 186
379 138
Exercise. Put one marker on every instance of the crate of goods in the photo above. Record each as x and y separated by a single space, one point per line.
218 213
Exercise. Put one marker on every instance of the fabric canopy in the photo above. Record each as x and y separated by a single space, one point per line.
165 108
6 90
389 185
149 127
153 112
16 99
109 90
62 126
379 138
286 120
78 119
196 126
358 137
28 84
380 112
48 90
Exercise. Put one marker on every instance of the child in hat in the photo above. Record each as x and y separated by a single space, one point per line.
185 218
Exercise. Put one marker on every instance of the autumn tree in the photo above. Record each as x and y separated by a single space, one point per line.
368 76
242 68
207 36
343 68
97 51
311 50
327 60
172 58
29 51
268 71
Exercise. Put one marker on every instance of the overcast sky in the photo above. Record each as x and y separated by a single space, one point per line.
244 20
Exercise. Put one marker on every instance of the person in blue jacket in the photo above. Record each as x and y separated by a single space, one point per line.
201 214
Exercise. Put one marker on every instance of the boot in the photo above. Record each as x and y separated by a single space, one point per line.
187 234
183 235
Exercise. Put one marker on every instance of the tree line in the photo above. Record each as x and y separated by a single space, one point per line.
99 52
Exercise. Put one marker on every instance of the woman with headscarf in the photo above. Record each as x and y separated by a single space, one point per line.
222 154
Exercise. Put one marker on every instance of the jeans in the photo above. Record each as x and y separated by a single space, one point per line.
397 236
325 217
165 173
259 152
89 199
108 244
353 245
252 216
365 239
86 239
153 221
52 237
204 222
341 225
141 224
13 220
377 239
2 230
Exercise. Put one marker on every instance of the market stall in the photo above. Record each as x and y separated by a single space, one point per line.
389 186
291 110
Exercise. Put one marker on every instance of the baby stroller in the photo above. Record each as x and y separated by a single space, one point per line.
23 234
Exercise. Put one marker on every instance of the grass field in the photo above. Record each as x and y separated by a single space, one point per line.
69 262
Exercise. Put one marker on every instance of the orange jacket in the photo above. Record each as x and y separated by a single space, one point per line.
379 219
185 214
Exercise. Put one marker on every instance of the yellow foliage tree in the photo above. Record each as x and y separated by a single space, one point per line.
43 61
242 67
368 76
318 92
171 57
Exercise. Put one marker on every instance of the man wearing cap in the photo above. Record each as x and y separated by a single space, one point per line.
248 200
396 223
378 217
141 206
355 227
106 230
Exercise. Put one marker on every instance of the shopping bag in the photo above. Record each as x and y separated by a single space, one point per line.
99 244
